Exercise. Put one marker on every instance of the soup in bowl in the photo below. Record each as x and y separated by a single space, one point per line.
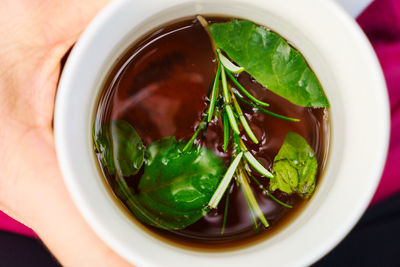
196 129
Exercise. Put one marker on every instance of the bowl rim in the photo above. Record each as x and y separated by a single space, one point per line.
87 204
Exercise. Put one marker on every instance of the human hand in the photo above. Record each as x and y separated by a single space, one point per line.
34 37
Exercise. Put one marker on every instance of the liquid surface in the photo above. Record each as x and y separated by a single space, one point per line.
160 88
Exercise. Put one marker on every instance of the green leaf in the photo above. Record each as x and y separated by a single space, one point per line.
295 167
270 60
176 186
120 147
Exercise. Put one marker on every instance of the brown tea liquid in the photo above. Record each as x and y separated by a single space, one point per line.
160 86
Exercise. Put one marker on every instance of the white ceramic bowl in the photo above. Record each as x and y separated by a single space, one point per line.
350 74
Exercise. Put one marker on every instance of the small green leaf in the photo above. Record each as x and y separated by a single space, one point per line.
120 147
295 167
270 60
176 186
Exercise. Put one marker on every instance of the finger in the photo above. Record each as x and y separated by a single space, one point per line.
39 33
61 227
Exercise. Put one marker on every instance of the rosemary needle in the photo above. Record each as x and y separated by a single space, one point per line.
216 198
190 142
226 131
245 91
225 212
214 94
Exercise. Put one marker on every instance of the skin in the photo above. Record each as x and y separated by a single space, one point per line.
34 37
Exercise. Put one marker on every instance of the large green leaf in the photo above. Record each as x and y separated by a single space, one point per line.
295 167
120 148
270 60
176 186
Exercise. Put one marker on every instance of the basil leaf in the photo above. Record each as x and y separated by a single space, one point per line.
120 147
270 60
176 186
295 167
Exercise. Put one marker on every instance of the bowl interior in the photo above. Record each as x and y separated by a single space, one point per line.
342 60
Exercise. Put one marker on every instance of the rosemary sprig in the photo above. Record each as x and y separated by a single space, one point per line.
230 111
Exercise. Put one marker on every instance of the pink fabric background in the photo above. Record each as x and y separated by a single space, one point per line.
381 23
11 225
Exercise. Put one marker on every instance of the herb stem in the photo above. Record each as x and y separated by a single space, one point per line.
214 93
190 142
245 91
225 212
269 193
216 198
263 110
205 24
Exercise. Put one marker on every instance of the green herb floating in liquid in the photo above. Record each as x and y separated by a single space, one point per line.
270 60
120 147
295 167
178 185
181 182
